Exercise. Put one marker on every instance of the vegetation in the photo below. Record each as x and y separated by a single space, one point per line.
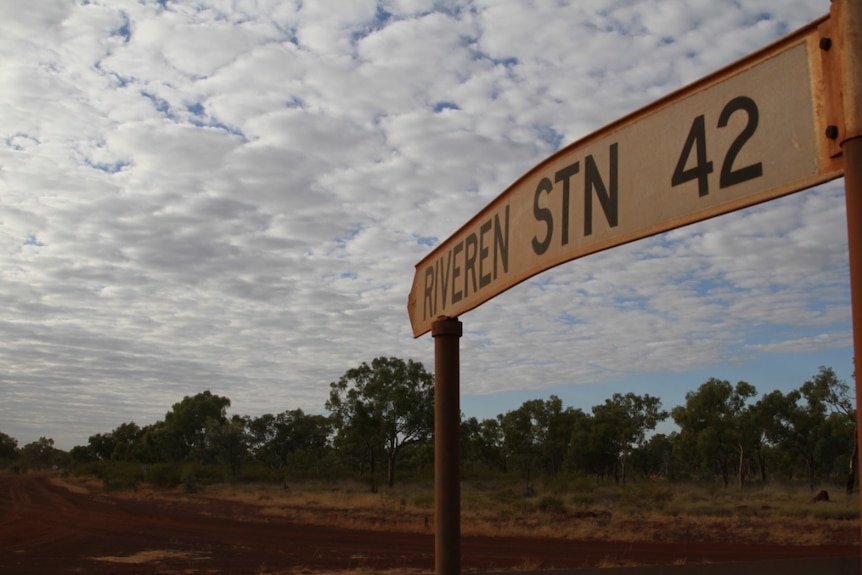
384 411
571 507
387 406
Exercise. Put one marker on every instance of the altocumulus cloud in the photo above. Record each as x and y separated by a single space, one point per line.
232 196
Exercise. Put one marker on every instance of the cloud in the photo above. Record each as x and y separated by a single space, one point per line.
233 196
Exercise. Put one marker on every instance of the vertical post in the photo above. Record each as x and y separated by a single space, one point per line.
847 16
447 449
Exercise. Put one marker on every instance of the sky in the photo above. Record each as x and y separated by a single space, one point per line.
231 195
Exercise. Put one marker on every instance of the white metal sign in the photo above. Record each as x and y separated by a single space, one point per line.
749 133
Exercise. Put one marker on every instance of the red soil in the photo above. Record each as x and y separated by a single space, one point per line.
45 528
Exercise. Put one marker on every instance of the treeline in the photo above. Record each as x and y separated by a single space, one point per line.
380 422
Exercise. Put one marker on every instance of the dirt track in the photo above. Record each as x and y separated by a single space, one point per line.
48 529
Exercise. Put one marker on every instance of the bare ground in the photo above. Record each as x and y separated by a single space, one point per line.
46 528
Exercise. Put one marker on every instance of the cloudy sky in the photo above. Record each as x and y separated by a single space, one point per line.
232 195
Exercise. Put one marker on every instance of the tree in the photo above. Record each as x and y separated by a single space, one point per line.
836 395
537 434
263 440
711 423
228 441
101 445
482 444
127 437
520 437
275 439
186 424
120 444
308 438
387 405
815 422
590 447
555 425
625 420
39 454
8 449
653 457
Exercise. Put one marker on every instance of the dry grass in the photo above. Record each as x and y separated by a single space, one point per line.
353 571
580 509
150 556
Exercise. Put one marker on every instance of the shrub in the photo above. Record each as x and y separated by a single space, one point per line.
121 475
424 501
552 505
164 475
505 496
94 468
258 473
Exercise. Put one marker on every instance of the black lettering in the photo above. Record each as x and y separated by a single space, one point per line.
470 262
695 141
443 273
484 278
608 199
730 176
501 244
456 271
543 214
563 176
429 292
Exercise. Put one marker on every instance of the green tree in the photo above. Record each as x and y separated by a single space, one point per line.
816 422
40 454
482 445
537 435
711 423
520 437
229 442
187 423
624 421
556 425
471 446
101 445
263 440
82 454
8 449
127 437
590 448
652 458
291 435
120 444
308 443
388 404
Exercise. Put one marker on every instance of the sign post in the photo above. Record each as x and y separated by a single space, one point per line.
447 446
848 27
780 120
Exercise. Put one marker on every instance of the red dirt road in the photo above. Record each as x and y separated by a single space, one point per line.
47 529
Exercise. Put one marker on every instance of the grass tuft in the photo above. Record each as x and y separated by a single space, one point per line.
643 511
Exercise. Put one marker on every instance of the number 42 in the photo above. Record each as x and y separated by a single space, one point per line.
695 144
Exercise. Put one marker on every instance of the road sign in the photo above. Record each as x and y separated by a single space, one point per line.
754 131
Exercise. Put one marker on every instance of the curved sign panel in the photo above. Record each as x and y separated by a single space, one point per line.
749 133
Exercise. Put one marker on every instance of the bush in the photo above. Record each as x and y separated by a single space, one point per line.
259 473
164 475
552 505
94 468
504 496
122 475
424 501
114 475
650 496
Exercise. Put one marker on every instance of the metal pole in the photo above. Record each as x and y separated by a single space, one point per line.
447 449
847 15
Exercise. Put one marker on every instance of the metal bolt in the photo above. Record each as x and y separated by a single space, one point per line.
825 43
832 132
